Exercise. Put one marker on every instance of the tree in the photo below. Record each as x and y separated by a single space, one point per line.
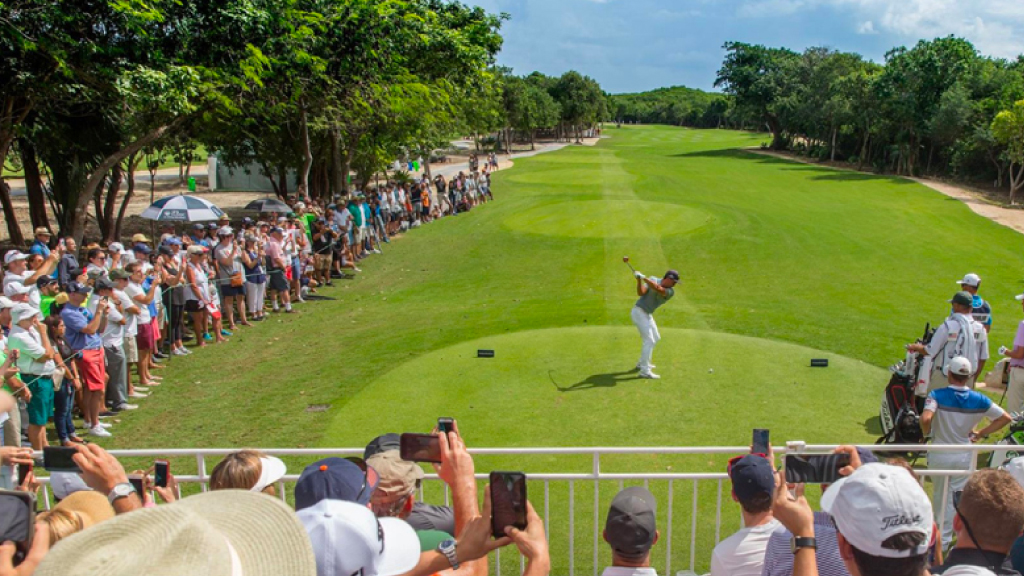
759 79
581 101
1008 129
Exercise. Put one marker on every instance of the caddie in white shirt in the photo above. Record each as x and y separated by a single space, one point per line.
653 292
956 336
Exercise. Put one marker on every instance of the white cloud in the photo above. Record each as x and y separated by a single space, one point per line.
762 8
867 27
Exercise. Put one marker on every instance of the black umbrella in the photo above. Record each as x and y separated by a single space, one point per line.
268 205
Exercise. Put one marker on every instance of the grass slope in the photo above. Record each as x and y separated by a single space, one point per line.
781 262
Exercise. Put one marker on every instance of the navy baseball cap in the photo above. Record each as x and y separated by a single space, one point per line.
672 275
76 288
198 226
334 479
141 248
173 241
382 443
752 476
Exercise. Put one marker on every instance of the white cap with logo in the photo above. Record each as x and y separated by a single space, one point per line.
348 539
972 280
1016 469
960 366
877 502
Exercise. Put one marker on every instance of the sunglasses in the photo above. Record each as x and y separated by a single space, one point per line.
370 476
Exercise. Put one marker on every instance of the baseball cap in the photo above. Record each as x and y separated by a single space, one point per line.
198 226
271 470
381 443
876 502
173 241
212 226
246 220
348 539
24 311
752 476
277 230
142 249
16 289
41 231
630 527
104 284
397 476
672 275
138 238
192 250
960 366
13 255
6 302
116 247
335 479
225 231
217 533
76 288
970 280
962 298
224 217
119 274
165 250
45 281
1016 469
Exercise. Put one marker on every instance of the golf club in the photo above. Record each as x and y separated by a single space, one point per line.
626 260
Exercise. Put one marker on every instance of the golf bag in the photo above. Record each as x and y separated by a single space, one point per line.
900 412
1012 445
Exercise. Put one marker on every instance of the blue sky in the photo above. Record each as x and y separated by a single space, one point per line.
636 45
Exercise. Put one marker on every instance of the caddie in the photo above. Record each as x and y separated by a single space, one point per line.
958 335
980 309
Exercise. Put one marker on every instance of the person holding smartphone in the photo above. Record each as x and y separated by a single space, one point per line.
753 487
35 361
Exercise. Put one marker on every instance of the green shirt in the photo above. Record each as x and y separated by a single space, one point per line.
308 219
429 539
650 301
45 302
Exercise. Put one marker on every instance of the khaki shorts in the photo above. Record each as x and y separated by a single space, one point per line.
131 349
322 262
1015 390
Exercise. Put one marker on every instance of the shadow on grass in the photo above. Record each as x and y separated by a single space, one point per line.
609 380
824 172
873 426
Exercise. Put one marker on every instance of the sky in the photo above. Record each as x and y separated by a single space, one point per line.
639 45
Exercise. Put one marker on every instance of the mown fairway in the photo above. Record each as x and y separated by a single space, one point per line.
781 262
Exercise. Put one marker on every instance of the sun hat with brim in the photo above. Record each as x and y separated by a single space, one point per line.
6 302
42 231
16 289
13 256
119 274
24 311
348 539
93 507
195 250
271 470
218 533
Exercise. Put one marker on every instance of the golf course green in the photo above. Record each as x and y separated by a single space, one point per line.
781 262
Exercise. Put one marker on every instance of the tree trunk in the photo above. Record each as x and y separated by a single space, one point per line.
132 165
863 149
832 153
346 167
776 129
1016 180
337 184
307 155
33 185
931 155
282 181
106 219
533 138
13 228
426 167
99 173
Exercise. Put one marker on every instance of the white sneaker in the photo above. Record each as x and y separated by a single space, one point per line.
127 406
104 425
141 389
97 431
652 367
137 394
649 375
179 352
185 351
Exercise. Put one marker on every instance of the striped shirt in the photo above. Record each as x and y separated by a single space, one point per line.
957 410
778 557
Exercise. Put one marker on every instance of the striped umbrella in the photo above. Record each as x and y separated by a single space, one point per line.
183 208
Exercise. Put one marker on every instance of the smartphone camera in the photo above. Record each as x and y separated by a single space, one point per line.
815 468
420 448
445 425
508 501
136 482
60 459
759 445
17 521
161 470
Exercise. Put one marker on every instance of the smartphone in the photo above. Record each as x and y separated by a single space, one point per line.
760 442
23 471
815 468
59 459
136 481
162 468
18 520
445 425
420 448
508 501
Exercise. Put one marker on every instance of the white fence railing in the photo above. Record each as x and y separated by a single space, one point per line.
566 551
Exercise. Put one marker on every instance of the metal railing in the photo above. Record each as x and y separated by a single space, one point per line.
567 555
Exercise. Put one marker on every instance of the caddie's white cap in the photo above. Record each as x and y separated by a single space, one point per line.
1019 297
348 539
271 470
971 279
877 502
960 366
1016 469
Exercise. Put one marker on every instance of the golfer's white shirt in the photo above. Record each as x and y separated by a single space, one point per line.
742 554
628 571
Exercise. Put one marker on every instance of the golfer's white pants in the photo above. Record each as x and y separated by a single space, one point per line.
944 508
648 334
254 296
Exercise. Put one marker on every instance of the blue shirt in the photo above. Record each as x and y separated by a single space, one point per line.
75 319
1017 554
146 285
981 311
39 247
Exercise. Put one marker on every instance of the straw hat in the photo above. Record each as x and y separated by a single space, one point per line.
217 533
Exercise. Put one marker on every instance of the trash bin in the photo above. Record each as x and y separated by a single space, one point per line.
191 184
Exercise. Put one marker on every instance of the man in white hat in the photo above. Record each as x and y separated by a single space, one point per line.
16 271
950 416
980 309
41 245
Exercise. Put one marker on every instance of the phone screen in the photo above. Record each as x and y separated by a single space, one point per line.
161 469
23 471
58 459
760 442
815 468
17 517
136 481
420 448
445 425
508 501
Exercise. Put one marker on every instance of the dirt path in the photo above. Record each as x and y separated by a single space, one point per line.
1007 217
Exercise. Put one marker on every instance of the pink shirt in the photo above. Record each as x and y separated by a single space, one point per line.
274 252
1018 340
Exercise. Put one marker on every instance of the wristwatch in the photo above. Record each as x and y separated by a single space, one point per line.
122 490
447 547
799 543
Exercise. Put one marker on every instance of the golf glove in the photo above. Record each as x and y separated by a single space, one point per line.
1003 350
638 274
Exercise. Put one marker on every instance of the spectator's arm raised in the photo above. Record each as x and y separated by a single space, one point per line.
458 472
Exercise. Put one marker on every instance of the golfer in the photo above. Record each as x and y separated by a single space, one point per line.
653 293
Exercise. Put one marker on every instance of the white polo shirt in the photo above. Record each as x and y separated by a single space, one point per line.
742 554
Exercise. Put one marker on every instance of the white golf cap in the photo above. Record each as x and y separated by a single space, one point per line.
1019 297
960 366
348 539
24 311
877 502
65 484
13 255
271 470
6 302
970 280
16 289
1016 469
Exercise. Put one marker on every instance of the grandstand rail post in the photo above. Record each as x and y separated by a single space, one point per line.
572 528
668 534
718 514
597 502
547 514
201 467
693 528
